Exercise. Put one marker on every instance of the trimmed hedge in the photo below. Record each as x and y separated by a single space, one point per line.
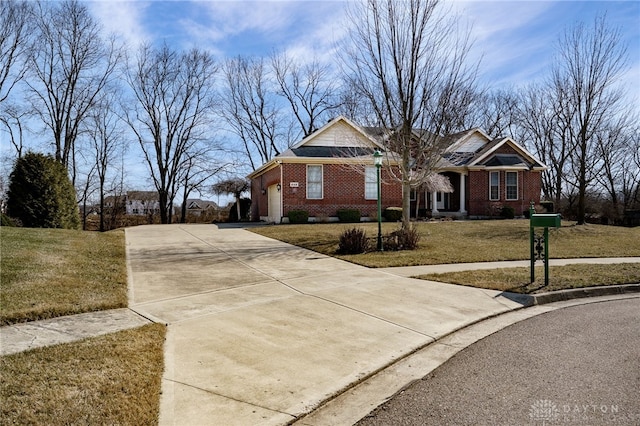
349 215
392 214
508 212
298 216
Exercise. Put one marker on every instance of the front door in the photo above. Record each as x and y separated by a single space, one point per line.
274 212
442 200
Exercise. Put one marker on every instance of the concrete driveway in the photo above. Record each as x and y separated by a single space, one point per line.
262 332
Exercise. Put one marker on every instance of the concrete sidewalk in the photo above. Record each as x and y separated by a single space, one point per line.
36 334
262 332
414 271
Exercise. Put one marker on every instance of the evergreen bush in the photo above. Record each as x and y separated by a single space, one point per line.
349 215
41 195
508 212
298 216
392 214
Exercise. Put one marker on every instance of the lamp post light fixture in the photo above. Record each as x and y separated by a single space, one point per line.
377 160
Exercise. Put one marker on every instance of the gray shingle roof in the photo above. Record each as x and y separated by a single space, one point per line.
506 160
328 152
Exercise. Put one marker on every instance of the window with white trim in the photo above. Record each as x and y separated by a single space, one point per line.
494 186
511 185
370 183
314 182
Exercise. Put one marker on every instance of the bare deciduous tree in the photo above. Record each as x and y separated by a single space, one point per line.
198 168
171 113
12 118
538 125
591 59
15 43
233 186
408 60
308 88
16 40
69 67
106 138
251 110
495 112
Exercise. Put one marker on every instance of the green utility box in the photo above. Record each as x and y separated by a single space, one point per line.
545 220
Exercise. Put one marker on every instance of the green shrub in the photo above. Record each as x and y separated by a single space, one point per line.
41 195
392 214
508 212
6 220
245 208
353 241
548 206
349 215
402 239
298 216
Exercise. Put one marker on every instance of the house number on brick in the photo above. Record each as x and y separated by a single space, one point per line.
293 184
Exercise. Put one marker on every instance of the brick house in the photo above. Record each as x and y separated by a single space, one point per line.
333 169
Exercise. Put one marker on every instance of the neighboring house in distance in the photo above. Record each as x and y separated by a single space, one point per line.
333 169
115 204
142 203
198 207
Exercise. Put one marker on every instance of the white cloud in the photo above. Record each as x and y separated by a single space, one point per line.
124 18
229 18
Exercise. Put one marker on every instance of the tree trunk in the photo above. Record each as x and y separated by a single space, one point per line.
164 214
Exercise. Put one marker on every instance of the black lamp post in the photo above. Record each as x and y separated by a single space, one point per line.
377 160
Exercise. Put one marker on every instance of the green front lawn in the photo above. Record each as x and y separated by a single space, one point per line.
517 280
465 241
111 379
47 273
106 380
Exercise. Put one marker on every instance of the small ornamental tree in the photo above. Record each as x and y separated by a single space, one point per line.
41 195
234 186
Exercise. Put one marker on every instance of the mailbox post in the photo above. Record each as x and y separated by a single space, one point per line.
540 244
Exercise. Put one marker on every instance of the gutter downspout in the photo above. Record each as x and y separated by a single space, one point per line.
281 192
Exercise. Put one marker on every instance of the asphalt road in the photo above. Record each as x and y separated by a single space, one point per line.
574 366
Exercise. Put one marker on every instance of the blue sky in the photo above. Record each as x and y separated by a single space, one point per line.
514 38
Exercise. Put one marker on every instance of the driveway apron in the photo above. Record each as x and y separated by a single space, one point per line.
261 332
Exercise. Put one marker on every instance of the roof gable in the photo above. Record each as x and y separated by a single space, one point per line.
473 140
339 132
485 155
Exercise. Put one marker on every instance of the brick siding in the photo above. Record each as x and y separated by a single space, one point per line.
343 188
529 183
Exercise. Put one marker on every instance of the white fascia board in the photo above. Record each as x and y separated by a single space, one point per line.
365 161
264 168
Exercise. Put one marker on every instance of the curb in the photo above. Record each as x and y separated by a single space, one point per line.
528 300
354 402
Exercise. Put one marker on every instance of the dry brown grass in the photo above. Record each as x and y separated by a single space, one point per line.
52 272
466 241
111 379
517 280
